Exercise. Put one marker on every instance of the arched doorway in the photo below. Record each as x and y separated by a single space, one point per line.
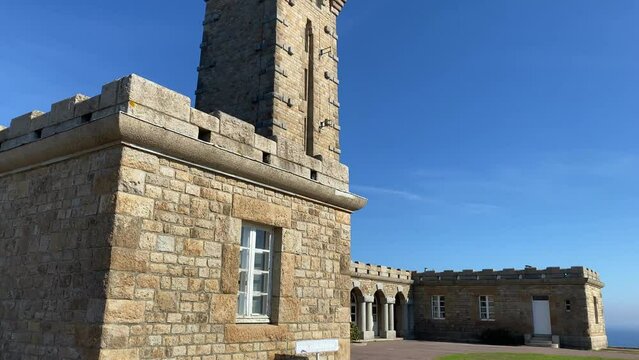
357 298
378 322
400 315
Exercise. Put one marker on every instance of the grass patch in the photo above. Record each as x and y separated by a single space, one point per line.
507 356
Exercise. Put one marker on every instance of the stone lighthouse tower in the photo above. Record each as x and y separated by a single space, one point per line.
133 226
273 63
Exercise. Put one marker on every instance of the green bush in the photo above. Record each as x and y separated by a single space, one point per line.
501 337
355 335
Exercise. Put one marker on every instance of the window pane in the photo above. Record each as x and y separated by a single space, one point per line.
262 261
241 304
259 303
243 281
260 283
262 240
244 259
246 233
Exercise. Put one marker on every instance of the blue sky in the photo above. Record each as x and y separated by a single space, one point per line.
485 133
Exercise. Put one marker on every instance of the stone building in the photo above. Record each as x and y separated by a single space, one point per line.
549 307
563 305
133 226
137 227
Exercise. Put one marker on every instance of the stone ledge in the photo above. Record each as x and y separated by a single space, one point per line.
121 128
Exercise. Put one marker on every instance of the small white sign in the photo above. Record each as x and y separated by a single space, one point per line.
317 346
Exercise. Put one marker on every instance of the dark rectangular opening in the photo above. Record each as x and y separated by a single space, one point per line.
314 175
204 135
266 158
38 134
86 117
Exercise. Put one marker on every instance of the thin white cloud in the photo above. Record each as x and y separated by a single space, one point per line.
470 208
407 195
479 208
547 174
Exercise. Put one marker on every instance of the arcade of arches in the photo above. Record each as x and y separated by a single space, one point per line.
380 302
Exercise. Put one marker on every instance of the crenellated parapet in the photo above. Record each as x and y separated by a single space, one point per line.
380 272
136 111
550 274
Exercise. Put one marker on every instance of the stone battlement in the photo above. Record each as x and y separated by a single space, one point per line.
530 273
380 271
150 102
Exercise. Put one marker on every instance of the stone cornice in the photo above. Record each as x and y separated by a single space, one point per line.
122 128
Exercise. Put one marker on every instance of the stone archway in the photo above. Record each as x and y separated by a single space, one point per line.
380 314
358 309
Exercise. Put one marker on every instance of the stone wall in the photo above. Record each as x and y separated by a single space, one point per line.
597 338
512 291
174 292
54 256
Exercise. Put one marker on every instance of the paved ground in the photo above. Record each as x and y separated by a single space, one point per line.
426 350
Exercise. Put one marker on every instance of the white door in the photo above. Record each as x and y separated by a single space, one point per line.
541 317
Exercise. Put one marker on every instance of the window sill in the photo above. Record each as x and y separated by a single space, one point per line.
253 321
488 320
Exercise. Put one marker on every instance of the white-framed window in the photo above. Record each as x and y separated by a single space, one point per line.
486 308
353 308
256 257
438 303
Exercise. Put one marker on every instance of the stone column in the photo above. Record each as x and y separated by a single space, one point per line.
391 317
361 321
387 316
367 331
369 316
384 319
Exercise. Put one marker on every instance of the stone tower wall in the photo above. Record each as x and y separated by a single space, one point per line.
290 82
237 60
54 256
270 93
